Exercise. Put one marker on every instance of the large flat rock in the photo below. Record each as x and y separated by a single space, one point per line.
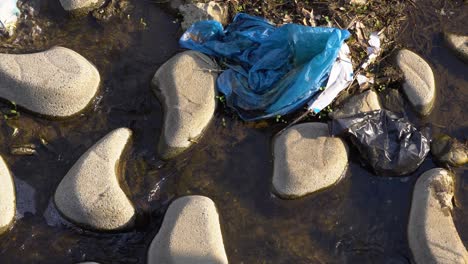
364 102
458 43
7 197
58 82
419 85
190 234
90 194
307 159
187 90
432 235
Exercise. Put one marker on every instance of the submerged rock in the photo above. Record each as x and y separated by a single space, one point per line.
114 8
307 159
186 87
458 43
364 102
432 235
449 151
392 100
90 194
80 5
419 85
204 11
190 233
58 82
7 197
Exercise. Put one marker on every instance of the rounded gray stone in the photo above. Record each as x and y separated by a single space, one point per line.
186 87
7 197
90 194
419 85
432 235
458 43
364 102
204 11
58 82
190 234
74 5
307 159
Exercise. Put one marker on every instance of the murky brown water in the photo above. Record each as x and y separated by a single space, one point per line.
361 220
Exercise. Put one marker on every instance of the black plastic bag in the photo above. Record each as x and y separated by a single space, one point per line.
387 142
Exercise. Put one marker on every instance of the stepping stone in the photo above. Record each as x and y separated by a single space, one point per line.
80 5
90 194
419 85
186 87
432 235
307 159
190 234
7 197
58 82
203 11
459 44
364 102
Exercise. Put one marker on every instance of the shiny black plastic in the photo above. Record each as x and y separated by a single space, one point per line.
389 143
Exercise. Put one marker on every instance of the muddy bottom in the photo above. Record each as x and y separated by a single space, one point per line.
363 219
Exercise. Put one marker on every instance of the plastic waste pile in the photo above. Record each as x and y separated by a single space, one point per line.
389 143
271 70
9 14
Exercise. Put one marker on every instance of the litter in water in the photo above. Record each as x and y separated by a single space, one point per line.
271 70
341 76
387 142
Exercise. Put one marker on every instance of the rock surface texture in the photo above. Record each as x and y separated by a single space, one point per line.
73 5
90 194
7 197
364 102
419 85
459 44
190 234
392 100
307 159
449 151
432 235
187 90
203 11
58 82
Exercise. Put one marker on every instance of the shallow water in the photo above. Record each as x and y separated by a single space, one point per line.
362 219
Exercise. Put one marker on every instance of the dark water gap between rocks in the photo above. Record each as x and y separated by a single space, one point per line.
363 219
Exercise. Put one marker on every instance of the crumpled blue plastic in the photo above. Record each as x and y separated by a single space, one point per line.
270 70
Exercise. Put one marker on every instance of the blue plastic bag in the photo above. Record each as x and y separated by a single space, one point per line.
271 71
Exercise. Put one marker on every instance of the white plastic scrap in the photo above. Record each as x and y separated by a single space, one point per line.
341 75
373 50
363 79
9 14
